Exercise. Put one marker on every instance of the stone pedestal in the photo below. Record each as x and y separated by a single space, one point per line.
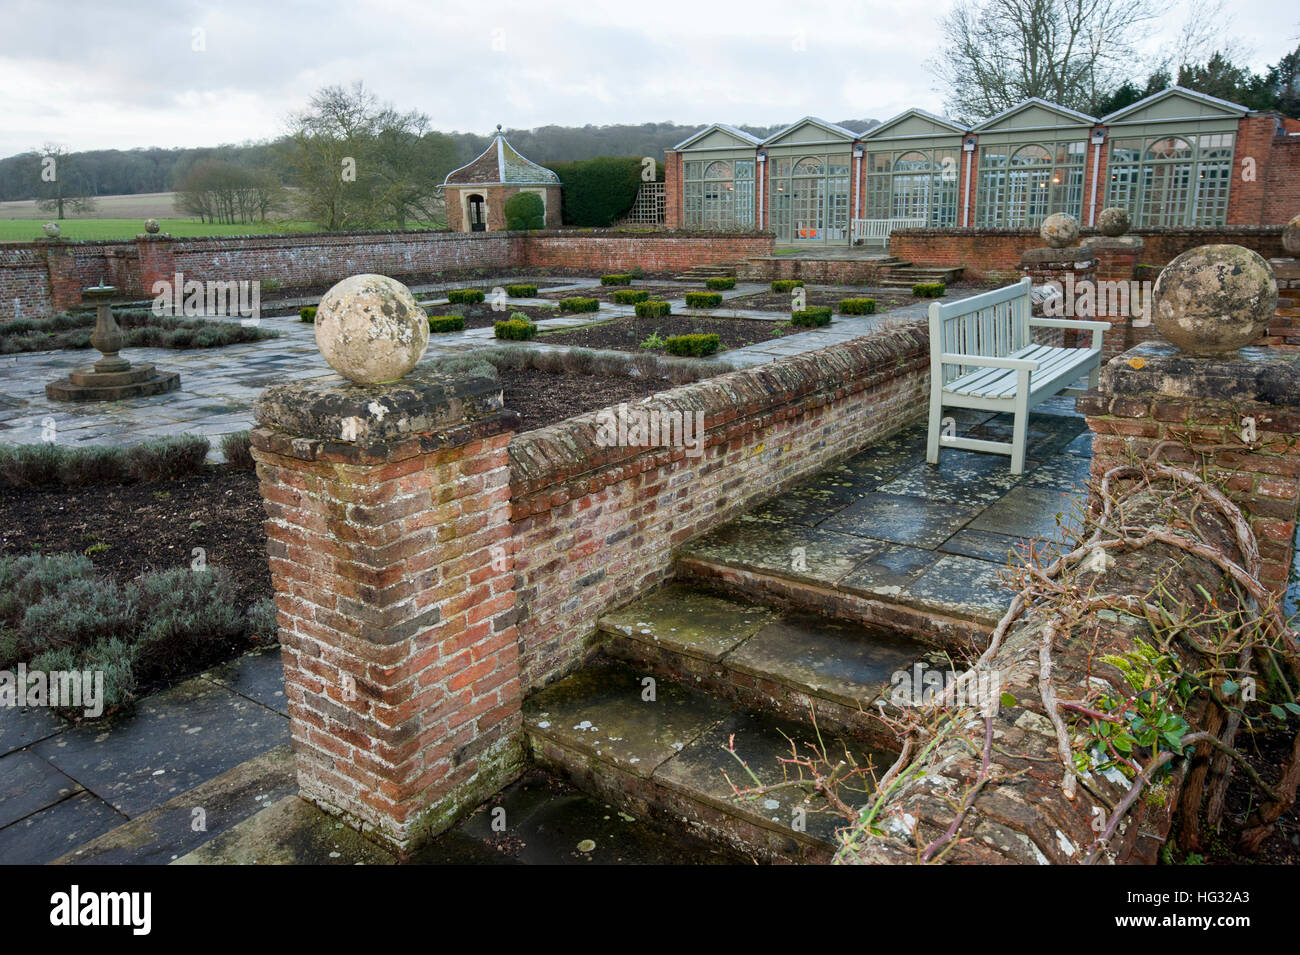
1071 270
388 527
1234 419
1121 300
112 377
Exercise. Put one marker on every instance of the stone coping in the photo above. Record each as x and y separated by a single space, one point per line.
1259 375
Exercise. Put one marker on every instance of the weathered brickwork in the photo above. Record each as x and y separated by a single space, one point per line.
995 253
396 600
1234 420
657 253
595 526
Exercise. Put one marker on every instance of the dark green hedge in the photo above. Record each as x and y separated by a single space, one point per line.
785 285
446 323
703 299
717 283
654 308
629 296
515 329
693 346
521 291
857 306
579 304
465 296
929 290
812 316
524 211
598 192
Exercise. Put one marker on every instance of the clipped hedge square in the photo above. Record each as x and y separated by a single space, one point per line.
652 308
465 296
929 290
720 282
515 330
692 346
857 306
579 304
620 278
446 323
813 316
703 299
785 285
521 291
627 296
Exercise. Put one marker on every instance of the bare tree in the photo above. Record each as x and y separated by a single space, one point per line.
62 188
997 53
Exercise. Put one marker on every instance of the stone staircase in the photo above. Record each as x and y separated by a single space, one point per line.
698 273
724 673
907 275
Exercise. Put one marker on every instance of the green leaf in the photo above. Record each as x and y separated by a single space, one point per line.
1008 700
1293 707
1229 687
1277 711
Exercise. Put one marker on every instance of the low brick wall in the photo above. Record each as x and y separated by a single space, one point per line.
995 253
594 526
663 253
24 281
816 271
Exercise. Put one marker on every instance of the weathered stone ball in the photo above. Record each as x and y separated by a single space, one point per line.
1214 299
52 229
371 329
1060 230
151 226
1113 221
1291 235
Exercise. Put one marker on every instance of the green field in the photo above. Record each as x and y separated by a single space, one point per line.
24 230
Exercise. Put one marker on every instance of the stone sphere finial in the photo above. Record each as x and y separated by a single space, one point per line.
1214 299
1113 221
370 329
52 229
1060 230
151 226
1291 235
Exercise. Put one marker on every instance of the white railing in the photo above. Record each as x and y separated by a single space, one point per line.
876 231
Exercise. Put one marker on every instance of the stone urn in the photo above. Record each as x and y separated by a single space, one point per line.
370 329
1215 299
1291 235
1113 221
151 226
52 230
1060 230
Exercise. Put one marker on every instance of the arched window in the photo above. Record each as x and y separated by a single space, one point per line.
917 184
1020 186
719 194
1171 180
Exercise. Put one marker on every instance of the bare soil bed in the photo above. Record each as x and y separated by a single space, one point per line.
483 315
780 301
627 334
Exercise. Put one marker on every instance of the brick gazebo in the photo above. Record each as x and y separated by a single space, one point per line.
476 193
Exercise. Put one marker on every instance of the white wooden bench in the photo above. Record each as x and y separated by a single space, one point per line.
983 356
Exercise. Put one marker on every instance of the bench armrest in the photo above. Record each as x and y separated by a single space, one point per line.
988 361
1069 323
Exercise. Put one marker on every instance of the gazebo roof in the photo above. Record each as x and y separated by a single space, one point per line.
501 165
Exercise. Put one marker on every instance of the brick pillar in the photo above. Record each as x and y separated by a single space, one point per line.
1154 393
65 288
388 525
673 189
1121 300
1285 330
1066 269
157 260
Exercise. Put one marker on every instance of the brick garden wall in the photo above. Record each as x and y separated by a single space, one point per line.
594 526
613 252
995 253
24 281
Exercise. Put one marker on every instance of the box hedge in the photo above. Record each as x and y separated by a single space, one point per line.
579 304
521 291
465 296
446 323
515 329
307 314
857 306
692 346
628 296
618 278
785 285
652 308
703 299
719 282
812 317
929 289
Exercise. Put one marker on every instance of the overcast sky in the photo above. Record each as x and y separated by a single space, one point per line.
94 74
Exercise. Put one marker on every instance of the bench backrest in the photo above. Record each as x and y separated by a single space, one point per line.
992 324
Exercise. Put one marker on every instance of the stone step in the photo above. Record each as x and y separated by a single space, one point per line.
911 275
169 832
666 758
797 665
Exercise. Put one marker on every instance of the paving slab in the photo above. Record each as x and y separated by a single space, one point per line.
902 519
22 726
686 620
788 550
601 712
163 835
984 545
889 572
1037 512
44 836
29 784
174 741
258 676
961 587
